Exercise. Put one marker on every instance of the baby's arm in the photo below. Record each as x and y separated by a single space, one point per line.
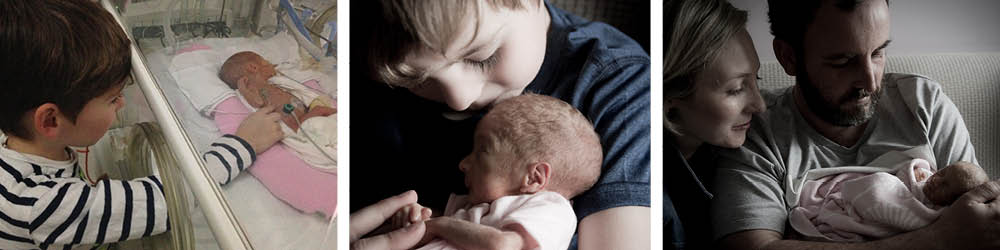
318 111
468 235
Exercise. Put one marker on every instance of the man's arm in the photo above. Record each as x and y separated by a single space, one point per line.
471 236
972 222
616 228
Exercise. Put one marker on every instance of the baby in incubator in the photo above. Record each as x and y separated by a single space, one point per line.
248 73
531 154
258 84
857 207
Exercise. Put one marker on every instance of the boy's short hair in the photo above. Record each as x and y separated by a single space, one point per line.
235 67
539 128
65 52
400 26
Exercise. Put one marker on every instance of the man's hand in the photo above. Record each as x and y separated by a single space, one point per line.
261 129
368 218
973 221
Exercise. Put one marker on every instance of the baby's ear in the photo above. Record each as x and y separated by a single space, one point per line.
537 178
242 82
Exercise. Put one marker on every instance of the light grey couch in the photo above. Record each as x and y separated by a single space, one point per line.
972 81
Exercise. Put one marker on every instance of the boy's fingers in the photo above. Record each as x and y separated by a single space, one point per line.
401 239
370 217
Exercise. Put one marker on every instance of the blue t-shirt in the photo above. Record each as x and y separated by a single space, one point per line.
400 141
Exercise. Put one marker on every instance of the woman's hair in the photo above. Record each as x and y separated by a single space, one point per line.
695 32
401 26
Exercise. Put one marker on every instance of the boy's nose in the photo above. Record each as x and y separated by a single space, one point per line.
458 89
121 103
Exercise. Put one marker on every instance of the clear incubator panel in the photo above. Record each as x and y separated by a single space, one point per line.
285 199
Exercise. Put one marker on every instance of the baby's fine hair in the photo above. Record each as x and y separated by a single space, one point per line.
64 52
235 67
539 128
398 27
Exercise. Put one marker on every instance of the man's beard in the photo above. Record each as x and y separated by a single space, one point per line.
832 112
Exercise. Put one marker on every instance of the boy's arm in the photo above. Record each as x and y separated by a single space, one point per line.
229 155
471 236
68 211
620 199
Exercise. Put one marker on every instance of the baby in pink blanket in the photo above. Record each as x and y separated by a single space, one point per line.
284 172
247 72
854 207
531 154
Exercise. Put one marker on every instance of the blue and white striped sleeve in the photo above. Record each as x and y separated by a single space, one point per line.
227 157
61 212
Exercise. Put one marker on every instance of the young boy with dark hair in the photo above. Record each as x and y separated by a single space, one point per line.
64 65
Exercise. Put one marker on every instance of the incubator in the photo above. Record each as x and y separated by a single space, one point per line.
171 118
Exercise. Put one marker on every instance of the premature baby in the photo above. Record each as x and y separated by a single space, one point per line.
945 186
254 78
531 154
854 207
248 73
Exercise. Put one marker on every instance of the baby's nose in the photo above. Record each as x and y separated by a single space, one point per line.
462 166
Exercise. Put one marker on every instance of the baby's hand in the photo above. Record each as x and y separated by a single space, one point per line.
410 214
318 111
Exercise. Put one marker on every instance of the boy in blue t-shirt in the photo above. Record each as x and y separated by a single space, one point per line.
445 62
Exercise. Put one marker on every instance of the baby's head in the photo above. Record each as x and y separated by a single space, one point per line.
531 143
945 186
63 65
448 50
246 66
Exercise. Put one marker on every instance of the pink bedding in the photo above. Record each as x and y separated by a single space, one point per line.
285 175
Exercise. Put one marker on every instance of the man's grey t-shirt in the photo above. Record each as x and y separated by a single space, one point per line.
754 183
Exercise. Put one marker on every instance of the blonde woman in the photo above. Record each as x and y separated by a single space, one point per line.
710 73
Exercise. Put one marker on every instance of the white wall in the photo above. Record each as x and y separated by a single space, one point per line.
918 26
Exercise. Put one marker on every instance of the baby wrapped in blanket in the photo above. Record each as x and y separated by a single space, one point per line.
858 206
257 86
295 170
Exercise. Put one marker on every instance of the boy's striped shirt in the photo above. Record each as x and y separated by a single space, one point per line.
43 204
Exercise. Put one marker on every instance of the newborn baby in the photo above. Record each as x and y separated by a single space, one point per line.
853 207
254 78
945 186
248 73
531 154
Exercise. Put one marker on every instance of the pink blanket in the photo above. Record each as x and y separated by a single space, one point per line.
286 176
857 207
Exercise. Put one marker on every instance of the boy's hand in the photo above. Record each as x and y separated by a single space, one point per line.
261 129
410 214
